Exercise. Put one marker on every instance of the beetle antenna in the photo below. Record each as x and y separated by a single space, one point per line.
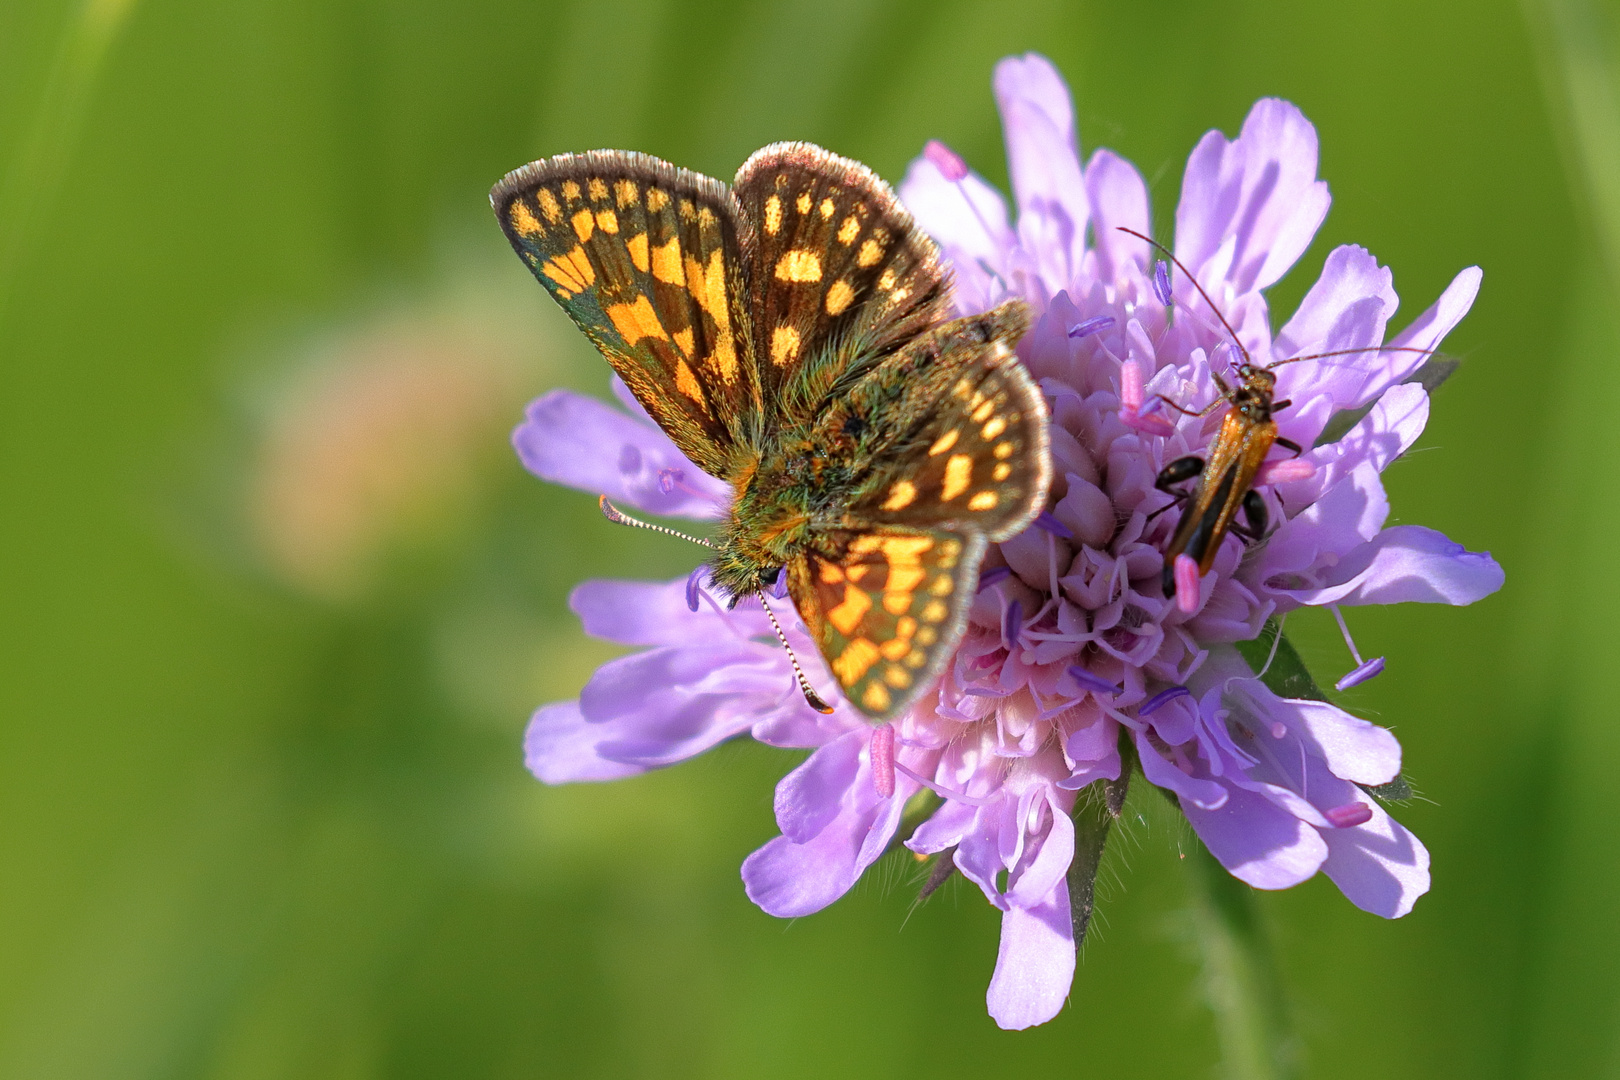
619 517
1351 352
1188 274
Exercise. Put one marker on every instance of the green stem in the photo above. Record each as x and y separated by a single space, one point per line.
1241 981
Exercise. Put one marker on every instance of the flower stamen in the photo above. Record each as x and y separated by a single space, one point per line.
882 756
1364 669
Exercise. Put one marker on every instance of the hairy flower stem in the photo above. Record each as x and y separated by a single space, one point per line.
1241 981
1091 823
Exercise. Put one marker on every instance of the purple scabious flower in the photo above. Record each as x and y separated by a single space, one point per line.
1071 642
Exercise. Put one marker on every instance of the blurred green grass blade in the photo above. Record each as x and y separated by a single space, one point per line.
40 164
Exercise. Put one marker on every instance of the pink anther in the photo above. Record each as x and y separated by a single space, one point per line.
947 161
882 754
1349 815
1284 471
1186 584
1130 386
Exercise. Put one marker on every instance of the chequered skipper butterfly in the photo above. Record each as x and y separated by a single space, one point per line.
790 334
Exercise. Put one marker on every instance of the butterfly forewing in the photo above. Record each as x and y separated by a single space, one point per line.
645 258
836 261
886 607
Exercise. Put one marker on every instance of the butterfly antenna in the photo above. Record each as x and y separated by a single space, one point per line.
804 684
618 517
1188 274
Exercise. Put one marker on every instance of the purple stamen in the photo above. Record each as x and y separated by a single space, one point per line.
1162 698
1095 325
1095 683
692 587
669 478
882 756
1370 670
1161 283
1012 624
947 161
1349 815
993 576
1364 669
1045 520
778 587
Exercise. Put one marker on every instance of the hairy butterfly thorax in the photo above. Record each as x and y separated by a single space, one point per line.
789 333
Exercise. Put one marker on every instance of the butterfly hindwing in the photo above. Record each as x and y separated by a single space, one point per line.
886 608
952 431
646 259
835 261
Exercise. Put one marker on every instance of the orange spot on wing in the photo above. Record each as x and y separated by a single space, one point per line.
548 205
850 610
858 656
958 474
523 219
637 246
637 320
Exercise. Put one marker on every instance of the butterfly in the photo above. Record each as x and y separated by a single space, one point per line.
791 334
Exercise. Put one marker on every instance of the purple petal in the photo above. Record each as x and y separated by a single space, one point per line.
1035 963
1379 866
572 439
1347 516
656 613
809 797
968 219
1352 748
560 748
1406 564
1430 329
788 880
1118 198
1347 308
1044 162
669 704
1191 790
1259 842
1383 435
1257 196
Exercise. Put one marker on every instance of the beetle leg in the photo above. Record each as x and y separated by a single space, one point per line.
1289 444
1254 512
1178 470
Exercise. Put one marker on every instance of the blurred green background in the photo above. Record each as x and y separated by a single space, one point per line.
276 600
